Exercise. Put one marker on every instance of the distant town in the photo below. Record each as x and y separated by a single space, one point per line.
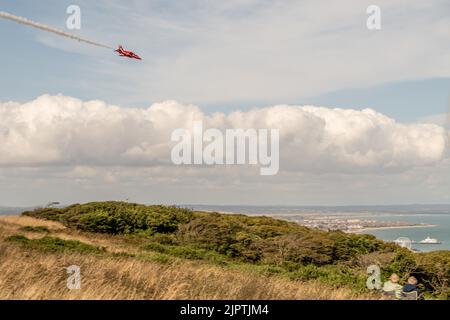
349 224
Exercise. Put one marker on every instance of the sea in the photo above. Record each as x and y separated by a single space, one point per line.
436 215
441 231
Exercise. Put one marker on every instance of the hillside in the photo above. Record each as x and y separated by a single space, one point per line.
132 251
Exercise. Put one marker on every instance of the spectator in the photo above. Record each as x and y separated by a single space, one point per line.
392 287
410 289
411 285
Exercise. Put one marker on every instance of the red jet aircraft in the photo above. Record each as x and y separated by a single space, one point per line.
128 54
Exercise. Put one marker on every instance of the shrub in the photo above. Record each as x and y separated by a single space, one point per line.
117 217
337 276
433 271
55 244
37 229
44 213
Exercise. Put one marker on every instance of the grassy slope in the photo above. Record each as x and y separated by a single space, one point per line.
30 273
250 257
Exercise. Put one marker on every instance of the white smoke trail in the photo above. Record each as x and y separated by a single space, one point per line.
37 25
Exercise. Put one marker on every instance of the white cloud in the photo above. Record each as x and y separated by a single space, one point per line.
63 131
439 119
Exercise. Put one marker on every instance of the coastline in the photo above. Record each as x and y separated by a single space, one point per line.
392 227
362 230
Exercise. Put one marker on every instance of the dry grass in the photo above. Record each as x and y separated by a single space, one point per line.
12 222
10 225
32 274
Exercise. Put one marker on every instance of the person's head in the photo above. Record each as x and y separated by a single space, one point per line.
394 278
412 280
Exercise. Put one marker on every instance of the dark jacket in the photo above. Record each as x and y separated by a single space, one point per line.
410 288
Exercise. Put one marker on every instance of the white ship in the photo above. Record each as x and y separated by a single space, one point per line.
429 240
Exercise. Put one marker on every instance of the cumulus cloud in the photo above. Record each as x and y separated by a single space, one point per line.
64 131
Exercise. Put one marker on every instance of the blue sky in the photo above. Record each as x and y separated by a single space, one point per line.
38 63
